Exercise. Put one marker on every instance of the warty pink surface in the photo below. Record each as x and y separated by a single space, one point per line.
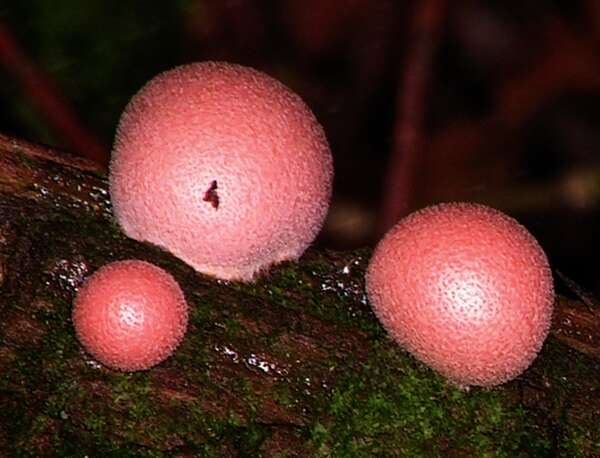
240 133
464 288
130 315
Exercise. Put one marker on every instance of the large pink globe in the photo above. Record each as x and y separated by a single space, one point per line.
464 288
130 315
223 166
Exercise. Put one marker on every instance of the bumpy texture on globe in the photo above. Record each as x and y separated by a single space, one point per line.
223 166
464 288
130 315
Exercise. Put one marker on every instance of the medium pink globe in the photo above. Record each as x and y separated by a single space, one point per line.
464 288
130 315
223 166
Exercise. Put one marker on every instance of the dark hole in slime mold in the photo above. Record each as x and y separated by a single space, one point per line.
211 195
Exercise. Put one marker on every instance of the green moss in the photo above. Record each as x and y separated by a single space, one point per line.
366 397
282 394
409 411
24 159
573 441
326 285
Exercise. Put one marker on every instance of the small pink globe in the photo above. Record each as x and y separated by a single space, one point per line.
130 315
464 288
223 166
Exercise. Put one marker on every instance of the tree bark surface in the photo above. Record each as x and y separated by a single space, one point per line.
292 365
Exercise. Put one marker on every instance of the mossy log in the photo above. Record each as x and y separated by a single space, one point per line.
292 365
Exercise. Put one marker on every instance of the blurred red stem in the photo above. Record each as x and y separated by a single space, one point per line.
410 106
46 98
592 9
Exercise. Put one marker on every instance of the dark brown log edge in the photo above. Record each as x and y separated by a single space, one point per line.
292 365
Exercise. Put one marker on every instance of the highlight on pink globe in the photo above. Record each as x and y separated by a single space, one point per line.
223 166
130 315
466 289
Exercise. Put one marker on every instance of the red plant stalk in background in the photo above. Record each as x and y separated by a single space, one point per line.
45 97
427 21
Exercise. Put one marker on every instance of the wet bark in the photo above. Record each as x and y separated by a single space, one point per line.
294 364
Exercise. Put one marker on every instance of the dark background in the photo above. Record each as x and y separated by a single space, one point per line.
422 101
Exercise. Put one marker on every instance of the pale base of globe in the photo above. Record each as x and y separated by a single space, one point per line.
243 273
